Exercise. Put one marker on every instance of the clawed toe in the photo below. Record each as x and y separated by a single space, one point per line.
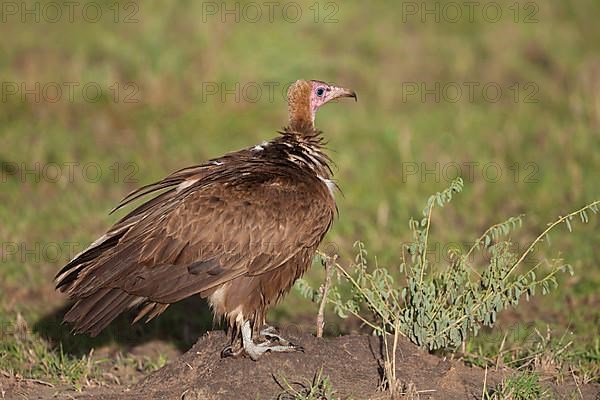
271 334
298 348
227 352
230 352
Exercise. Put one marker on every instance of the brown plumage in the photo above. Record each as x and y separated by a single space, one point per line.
238 230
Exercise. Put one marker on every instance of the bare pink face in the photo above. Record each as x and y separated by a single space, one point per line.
323 93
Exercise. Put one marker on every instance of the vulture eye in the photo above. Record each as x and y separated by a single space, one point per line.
320 91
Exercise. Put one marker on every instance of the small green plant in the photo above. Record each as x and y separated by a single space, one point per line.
521 386
439 306
319 388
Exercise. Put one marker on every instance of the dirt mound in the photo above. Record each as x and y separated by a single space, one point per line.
352 363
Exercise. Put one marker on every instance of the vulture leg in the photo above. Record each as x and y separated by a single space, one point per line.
256 350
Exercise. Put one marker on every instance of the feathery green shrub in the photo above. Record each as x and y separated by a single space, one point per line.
439 306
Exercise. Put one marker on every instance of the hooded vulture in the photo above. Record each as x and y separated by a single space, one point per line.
238 230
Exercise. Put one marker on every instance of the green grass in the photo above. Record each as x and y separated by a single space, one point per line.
170 52
522 386
26 355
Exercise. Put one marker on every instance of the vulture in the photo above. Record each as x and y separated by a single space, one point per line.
238 230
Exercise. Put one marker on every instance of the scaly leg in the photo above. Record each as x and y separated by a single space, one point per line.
235 347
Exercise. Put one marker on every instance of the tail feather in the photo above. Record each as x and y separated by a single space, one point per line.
89 278
107 316
93 313
108 301
151 310
70 272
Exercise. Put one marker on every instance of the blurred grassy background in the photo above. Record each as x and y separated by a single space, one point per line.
169 53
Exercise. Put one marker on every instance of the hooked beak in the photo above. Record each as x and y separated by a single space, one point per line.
337 92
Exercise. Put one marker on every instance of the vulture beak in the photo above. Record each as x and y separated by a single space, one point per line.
337 92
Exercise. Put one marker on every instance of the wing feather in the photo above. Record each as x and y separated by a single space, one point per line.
212 235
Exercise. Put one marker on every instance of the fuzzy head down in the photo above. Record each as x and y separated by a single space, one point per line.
305 98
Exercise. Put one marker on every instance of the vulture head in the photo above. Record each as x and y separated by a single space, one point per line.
305 98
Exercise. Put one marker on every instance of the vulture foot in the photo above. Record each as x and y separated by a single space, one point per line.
274 343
